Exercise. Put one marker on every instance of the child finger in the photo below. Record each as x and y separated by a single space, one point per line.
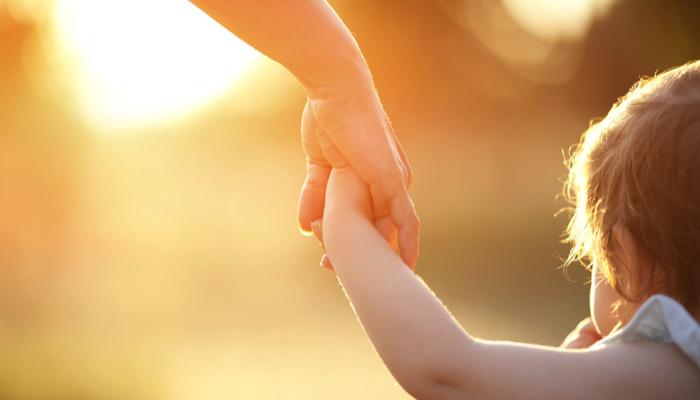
326 262
317 229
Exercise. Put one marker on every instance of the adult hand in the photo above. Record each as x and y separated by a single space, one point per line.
348 126
343 114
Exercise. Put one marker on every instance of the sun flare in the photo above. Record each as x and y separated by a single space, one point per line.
556 18
135 62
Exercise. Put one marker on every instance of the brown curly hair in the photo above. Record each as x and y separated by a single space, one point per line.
639 168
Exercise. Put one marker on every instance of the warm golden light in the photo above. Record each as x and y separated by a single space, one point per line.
150 166
133 62
556 18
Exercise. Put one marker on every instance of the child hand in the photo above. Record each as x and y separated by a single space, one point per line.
583 336
347 193
347 196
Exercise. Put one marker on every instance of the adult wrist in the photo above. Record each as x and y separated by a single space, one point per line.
348 73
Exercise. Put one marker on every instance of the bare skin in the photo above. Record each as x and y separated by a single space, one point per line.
583 336
343 121
432 357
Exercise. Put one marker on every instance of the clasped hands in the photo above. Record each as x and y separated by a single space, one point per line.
348 129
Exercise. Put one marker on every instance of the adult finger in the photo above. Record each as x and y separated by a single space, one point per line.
388 230
406 170
316 227
312 197
404 216
313 191
357 129
390 198
330 151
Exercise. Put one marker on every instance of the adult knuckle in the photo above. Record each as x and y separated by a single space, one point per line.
393 183
413 223
407 174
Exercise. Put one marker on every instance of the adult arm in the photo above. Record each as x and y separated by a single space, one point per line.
344 116
305 36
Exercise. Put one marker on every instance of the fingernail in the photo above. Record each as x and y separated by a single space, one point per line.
315 224
303 231
316 228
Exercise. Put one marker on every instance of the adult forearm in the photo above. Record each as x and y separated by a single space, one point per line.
412 331
305 36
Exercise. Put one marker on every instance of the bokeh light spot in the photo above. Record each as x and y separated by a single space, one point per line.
550 19
133 62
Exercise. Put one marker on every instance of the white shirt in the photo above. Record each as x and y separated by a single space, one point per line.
661 319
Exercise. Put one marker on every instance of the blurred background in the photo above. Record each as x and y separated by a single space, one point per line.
150 164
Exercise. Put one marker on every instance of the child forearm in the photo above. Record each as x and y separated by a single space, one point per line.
305 36
431 356
412 331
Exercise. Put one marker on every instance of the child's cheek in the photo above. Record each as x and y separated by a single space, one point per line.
603 299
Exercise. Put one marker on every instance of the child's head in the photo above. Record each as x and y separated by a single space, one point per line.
634 181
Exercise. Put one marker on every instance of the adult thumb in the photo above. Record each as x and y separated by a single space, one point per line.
312 196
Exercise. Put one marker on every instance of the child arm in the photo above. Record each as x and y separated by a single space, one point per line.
432 357
400 314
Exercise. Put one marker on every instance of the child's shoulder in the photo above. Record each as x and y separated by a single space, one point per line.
662 319
659 348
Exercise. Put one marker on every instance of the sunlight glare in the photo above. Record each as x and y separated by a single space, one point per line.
135 62
550 19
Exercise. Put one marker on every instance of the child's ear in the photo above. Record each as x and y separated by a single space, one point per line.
637 269
623 257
